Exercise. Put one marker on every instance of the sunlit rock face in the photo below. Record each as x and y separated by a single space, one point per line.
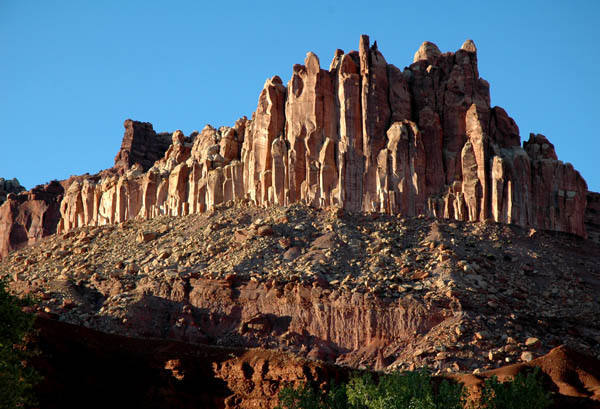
140 145
362 135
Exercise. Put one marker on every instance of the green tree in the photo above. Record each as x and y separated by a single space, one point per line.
305 397
412 390
16 378
408 390
523 392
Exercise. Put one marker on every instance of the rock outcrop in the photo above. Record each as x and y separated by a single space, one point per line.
26 217
141 145
9 186
592 216
78 364
363 136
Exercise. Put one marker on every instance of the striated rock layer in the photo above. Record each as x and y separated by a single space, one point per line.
363 136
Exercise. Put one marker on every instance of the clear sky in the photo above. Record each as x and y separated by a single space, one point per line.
72 71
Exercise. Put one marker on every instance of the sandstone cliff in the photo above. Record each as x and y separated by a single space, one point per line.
592 216
141 145
28 216
363 136
9 186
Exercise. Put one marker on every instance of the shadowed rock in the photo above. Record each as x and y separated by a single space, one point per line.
9 186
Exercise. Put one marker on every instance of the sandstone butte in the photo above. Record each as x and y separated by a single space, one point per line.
364 136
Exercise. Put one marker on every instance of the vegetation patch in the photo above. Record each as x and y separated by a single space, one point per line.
418 390
16 377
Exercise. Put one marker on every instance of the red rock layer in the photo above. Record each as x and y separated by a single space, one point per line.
349 328
140 145
364 136
26 217
9 186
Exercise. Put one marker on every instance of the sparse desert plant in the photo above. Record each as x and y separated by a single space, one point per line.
16 378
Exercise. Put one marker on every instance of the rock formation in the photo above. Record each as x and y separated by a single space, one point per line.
29 216
592 216
9 186
363 136
141 145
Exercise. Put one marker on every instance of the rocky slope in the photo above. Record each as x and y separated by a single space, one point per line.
362 136
377 291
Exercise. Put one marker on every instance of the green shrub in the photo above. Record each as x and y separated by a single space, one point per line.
16 378
415 390
305 397
411 390
523 392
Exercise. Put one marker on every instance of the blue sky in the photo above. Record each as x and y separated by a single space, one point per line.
72 71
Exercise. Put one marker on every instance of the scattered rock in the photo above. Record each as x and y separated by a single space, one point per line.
145 237
526 356
265 231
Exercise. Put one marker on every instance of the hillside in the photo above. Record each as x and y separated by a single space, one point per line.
372 290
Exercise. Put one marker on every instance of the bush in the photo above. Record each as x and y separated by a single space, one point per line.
415 390
412 390
306 397
523 392
16 378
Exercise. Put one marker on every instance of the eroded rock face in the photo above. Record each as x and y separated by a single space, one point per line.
26 217
9 186
363 136
332 322
592 216
366 136
140 145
